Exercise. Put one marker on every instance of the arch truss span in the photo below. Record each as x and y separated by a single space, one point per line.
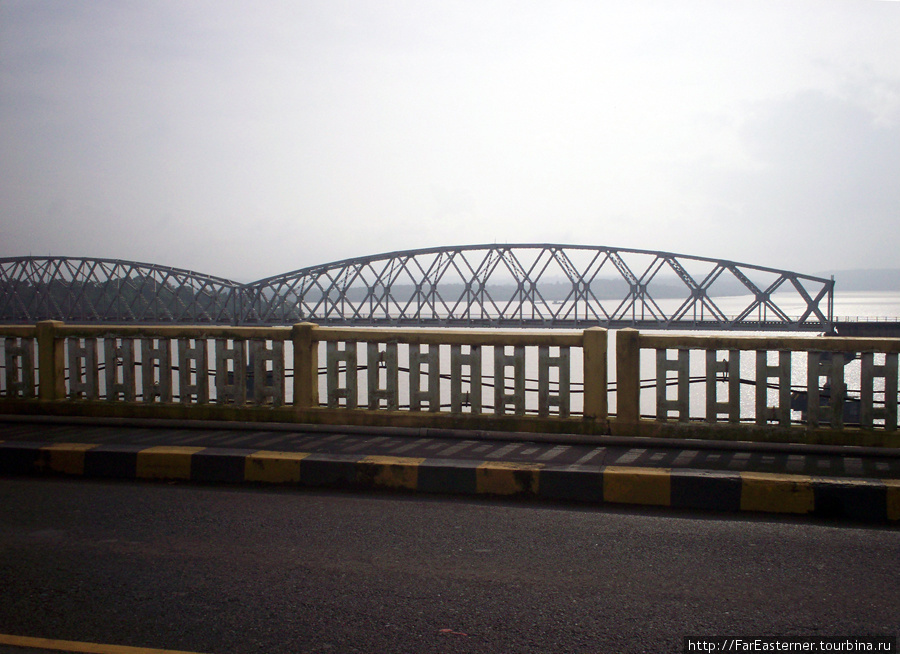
544 286
81 290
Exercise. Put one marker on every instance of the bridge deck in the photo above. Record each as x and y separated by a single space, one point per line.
874 328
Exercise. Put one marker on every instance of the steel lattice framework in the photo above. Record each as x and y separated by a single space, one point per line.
107 290
527 285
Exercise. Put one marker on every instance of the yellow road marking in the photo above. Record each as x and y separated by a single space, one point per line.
507 478
634 485
776 493
67 458
394 471
165 462
85 648
273 467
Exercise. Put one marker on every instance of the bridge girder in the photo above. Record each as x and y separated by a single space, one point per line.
111 291
525 285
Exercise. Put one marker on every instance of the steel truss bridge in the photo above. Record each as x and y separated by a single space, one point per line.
531 285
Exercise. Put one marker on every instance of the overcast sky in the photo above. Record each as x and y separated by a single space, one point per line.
245 139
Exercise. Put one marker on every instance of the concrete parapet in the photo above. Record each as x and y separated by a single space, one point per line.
549 382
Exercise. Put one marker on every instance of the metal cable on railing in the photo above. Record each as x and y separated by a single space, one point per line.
531 383
466 379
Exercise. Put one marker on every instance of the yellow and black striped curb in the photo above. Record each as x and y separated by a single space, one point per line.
866 500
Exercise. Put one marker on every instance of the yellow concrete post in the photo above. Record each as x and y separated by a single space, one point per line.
628 376
594 350
51 361
306 366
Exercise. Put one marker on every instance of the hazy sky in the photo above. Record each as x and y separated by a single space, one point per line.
245 139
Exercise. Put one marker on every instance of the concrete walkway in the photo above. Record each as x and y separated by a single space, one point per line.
841 482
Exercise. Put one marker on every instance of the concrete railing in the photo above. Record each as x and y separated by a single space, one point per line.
811 389
464 379
801 389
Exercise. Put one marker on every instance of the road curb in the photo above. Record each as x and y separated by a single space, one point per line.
866 500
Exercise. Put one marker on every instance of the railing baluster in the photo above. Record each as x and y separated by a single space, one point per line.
780 372
681 403
119 358
333 358
193 371
156 370
19 359
388 393
829 365
231 385
545 398
472 360
83 368
869 371
268 383
431 394
516 361
838 390
731 367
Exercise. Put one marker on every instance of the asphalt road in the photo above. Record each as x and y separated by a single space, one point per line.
234 570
